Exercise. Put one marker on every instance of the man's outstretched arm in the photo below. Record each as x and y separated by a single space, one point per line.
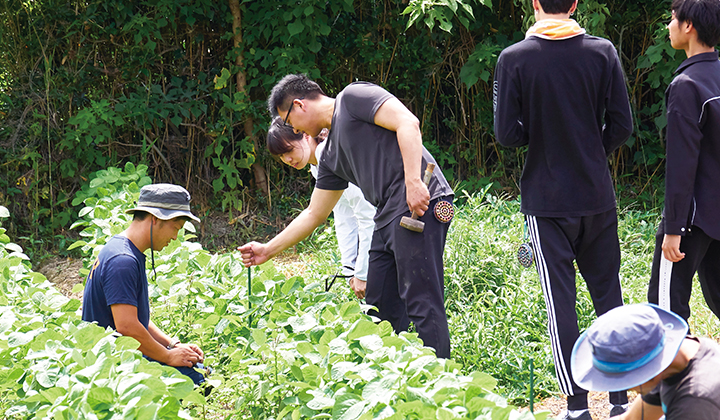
321 204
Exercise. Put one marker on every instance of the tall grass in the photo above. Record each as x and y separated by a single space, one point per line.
495 307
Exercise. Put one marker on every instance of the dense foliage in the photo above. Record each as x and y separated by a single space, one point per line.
181 85
287 350
496 310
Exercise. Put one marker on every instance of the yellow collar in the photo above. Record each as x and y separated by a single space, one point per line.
555 29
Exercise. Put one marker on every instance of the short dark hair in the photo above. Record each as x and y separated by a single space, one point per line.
280 137
140 215
291 87
704 16
556 6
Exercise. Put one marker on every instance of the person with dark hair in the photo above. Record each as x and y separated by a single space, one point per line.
562 93
116 291
375 143
353 214
688 238
646 349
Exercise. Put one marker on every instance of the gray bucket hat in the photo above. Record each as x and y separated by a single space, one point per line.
164 201
627 347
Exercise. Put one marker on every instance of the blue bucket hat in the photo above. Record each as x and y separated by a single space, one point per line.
627 347
164 201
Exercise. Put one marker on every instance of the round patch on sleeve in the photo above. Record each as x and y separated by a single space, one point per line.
444 211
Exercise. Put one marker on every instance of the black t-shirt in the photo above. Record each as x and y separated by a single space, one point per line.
693 393
368 155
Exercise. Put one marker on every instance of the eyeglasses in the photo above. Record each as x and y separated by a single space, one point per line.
290 109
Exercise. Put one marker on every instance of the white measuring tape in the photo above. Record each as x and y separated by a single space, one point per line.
666 267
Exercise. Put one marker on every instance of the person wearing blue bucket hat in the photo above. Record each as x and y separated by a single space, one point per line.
116 291
646 349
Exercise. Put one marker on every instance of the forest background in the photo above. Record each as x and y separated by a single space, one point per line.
181 85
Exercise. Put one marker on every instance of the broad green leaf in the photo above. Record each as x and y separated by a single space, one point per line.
443 413
385 329
16 339
77 244
371 342
147 411
259 336
296 27
169 408
100 398
381 389
321 402
302 323
362 328
304 347
348 406
288 285
484 381
126 343
339 346
339 369
86 337
48 377
143 392
179 387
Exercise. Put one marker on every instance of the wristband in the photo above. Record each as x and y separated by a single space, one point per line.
173 342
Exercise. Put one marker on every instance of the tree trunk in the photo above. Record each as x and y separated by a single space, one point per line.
241 83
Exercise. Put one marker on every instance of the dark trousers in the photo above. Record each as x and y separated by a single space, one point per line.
191 373
406 279
592 242
702 256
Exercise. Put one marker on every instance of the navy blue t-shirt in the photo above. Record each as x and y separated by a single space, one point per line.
117 276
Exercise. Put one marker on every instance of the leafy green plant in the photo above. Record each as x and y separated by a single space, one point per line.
106 197
54 365
289 350
441 12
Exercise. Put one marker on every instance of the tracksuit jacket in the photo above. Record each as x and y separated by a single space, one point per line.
692 180
566 172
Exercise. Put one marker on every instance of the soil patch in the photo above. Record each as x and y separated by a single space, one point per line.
64 273
597 402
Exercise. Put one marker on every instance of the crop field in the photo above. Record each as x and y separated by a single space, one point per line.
287 348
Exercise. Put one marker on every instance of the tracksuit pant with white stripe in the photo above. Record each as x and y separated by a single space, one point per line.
671 289
592 242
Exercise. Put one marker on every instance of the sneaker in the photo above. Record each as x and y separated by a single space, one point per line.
618 409
584 415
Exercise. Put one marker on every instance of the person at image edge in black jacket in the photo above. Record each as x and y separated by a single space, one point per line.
562 93
688 238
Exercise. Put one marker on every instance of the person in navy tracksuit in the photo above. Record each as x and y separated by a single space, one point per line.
562 93
688 238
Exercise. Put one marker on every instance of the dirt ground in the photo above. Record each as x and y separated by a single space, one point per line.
64 273
598 402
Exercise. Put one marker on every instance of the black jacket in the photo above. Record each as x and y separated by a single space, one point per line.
692 178
566 100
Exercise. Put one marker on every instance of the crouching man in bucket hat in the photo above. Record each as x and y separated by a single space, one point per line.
645 348
116 291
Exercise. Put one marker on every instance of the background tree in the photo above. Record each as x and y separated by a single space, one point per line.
180 85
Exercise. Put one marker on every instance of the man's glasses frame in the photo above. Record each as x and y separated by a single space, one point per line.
290 109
